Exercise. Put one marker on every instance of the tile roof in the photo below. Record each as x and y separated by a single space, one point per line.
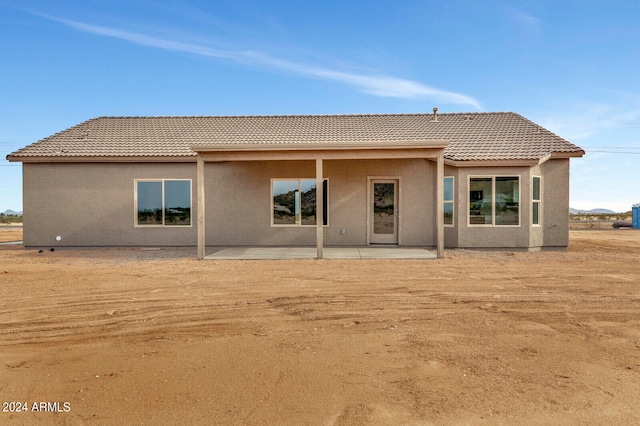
472 136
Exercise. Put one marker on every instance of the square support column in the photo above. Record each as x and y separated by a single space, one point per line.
440 205
319 208
201 210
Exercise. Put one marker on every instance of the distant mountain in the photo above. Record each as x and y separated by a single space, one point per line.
592 211
12 213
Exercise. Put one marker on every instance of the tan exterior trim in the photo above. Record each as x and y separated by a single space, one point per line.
201 210
492 163
319 208
323 146
556 155
513 163
544 159
313 155
440 205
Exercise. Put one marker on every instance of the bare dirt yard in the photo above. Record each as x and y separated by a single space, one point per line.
10 233
129 336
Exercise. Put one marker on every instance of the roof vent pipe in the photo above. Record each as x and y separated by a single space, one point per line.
435 113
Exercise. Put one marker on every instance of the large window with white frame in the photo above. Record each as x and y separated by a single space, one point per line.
494 200
536 197
163 202
293 202
448 200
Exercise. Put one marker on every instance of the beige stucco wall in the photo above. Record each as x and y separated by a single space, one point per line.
238 201
551 234
92 204
464 235
487 236
555 193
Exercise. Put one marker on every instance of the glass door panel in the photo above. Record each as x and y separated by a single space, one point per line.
384 212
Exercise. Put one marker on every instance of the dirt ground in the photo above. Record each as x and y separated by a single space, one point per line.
130 336
10 233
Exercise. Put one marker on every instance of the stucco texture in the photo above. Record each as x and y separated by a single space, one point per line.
238 201
93 204
553 231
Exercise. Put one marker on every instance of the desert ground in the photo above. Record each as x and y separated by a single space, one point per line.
131 336
10 233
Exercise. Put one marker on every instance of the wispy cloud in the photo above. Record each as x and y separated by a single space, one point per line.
377 85
524 21
581 121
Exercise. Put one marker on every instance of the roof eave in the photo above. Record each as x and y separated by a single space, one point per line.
572 154
240 147
513 162
103 159
491 163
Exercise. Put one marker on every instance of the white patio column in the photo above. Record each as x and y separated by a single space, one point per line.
201 212
440 204
319 208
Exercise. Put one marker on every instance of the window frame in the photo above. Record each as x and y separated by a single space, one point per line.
298 221
537 201
452 201
163 207
493 201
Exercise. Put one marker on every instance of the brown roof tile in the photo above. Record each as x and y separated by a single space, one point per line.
472 136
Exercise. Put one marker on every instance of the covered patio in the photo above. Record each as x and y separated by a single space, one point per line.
321 153
285 253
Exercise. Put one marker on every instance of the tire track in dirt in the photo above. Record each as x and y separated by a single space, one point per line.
479 337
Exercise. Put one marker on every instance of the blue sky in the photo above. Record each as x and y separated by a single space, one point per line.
569 65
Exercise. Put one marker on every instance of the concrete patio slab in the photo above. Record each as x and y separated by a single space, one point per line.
256 253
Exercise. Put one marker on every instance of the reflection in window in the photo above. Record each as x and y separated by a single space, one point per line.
384 199
294 202
507 202
163 202
448 200
494 201
481 201
308 202
285 202
149 203
537 200
177 202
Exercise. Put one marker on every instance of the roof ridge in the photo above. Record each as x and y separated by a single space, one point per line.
418 114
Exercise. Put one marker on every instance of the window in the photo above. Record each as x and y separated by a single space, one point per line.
163 202
448 200
536 196
294 202
494 201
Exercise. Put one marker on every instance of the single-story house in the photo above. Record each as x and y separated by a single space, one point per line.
457 180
